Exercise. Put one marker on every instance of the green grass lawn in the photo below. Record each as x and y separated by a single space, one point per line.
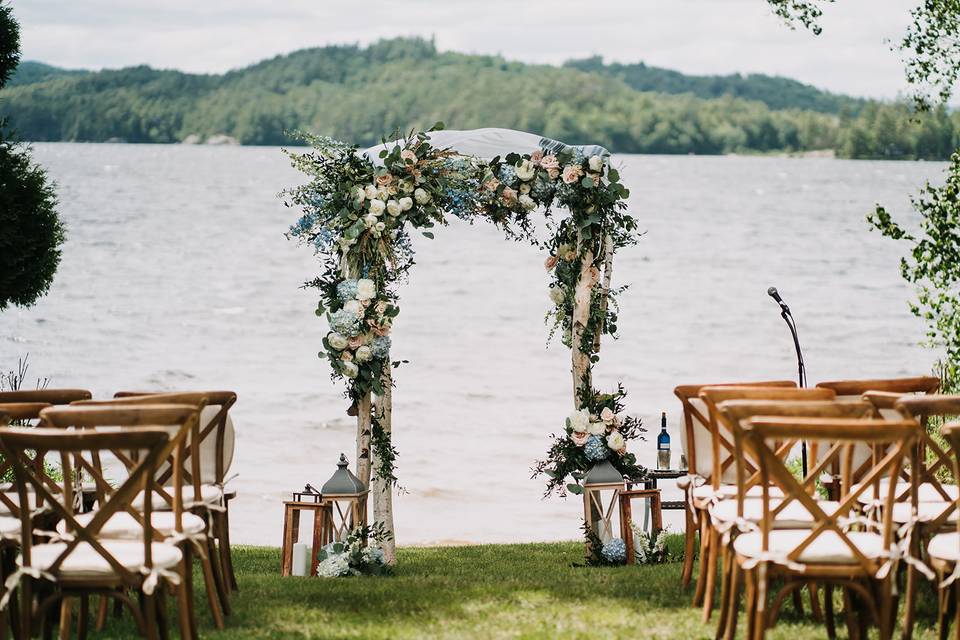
485 591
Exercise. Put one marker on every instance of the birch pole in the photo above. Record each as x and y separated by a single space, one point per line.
382 487
607 277
581 315
363 411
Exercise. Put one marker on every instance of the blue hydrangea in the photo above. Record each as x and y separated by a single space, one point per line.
596 449
578 155
507 174
304 225
323 240
542 189
380 347
347 290
614 550
345 322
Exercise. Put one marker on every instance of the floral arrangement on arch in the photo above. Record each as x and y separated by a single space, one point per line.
358 216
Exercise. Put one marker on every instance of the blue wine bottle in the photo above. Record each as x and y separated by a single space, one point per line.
663 444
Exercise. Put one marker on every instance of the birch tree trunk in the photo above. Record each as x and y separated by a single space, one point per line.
581 315
607 277
382 487
363 439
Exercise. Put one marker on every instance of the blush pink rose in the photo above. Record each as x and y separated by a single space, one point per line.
355 342
572 173
550 162
491 184
550 263
509 195
536 156
553 173
408 156
580 439
384 179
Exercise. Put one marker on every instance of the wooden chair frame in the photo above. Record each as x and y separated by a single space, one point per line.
686 393
216 427
893 442
177 470
948 595
152 441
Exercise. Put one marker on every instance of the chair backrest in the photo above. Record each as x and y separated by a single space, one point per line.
71 444
47 396
190 469
217 435
733 412
722 446
951 433
696 437
894 446
853 390
20 414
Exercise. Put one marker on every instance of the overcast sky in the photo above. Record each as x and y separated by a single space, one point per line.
694 36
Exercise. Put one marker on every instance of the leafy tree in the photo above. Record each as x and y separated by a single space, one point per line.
32 231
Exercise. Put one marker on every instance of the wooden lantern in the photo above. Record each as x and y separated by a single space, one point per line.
347 496
601 500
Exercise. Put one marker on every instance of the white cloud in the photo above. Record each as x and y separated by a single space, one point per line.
693 36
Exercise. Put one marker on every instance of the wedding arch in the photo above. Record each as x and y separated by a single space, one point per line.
359 211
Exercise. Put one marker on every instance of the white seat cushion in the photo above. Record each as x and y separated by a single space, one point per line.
926 511
827 548
9 527
793 516
86 562
926 492
945 546
123 526
210 494
706 492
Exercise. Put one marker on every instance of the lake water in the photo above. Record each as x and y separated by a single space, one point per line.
176 275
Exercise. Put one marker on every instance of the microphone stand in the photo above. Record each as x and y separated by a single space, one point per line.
801 370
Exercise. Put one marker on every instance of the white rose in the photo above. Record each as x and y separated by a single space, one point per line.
393 208
364 354
406 186
527 202
383 193
359 194
615 441
556 294
406 203
421 196
597 429
366 289
596 163
370 219
370 191
349 369
354 306
379 227
525 188
377 207
607 415
526 170
579 420
337 341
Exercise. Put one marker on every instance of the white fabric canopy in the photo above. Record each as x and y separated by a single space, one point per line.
488 143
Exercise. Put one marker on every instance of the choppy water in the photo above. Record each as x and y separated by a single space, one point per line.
177 275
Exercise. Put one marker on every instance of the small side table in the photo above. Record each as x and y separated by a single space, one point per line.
651 507
322 532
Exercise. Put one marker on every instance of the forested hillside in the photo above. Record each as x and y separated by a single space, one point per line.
359 93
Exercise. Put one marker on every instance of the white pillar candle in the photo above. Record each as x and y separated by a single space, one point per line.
301 558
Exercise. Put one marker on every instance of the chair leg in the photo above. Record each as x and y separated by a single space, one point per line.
66 619
102 610
83 619
750 597
733 600
701 573
725 577
909 602
709 564
184 596
828 616
690 541
955 587
815 609
211 587
150 615
226 553
797 598
222 592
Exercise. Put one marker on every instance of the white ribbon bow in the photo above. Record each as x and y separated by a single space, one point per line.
14 579
154 575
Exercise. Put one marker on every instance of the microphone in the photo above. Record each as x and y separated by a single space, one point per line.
773 293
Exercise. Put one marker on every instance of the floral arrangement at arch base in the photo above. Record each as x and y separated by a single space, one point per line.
355 556
359 217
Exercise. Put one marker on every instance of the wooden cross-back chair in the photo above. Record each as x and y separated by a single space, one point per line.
185 474
82 562
21 413
696 441
937 500
836 549
944 551
746 511
723 458
217 441
47 396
